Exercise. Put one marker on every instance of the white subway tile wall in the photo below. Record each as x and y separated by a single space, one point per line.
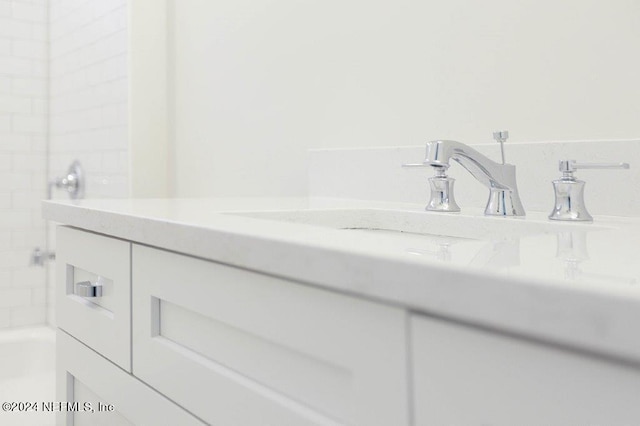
88 86
89 93
23 136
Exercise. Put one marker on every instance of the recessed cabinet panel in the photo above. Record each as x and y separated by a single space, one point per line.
93 292
466 376
100 413
237 347
100 393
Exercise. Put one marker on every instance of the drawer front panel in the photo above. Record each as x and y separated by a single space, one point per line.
103 322
237 347
86 378
465 376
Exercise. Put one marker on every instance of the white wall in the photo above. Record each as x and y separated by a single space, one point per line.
259 82
148 108
23 109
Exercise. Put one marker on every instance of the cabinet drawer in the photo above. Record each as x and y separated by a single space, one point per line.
84 377
103 323
240 348
465 376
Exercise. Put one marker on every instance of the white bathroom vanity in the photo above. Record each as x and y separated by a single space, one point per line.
326 312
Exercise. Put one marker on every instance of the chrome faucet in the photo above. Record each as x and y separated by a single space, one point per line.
504 199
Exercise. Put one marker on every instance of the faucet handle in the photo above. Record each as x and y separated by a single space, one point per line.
501 137
415 165
567 167
441 198
569 191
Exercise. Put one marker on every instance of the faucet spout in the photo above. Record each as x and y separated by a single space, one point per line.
504 199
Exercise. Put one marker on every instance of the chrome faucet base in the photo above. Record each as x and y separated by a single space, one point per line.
503 203
442 195
569 204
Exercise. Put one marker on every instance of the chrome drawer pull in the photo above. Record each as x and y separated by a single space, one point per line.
88 289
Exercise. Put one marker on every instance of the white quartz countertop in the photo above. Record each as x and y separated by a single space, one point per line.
575 285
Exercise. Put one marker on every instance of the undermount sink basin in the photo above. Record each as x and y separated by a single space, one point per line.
413 223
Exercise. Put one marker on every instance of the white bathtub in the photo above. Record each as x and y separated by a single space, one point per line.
27 374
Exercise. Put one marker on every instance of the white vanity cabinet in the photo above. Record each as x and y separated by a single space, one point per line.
467 376
179 340
227 345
